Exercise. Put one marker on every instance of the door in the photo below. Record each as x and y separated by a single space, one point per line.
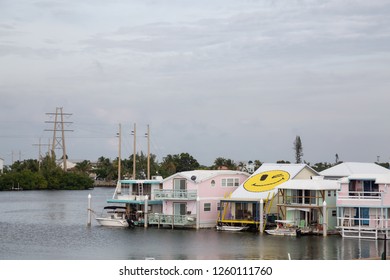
179 209
179 187
365 212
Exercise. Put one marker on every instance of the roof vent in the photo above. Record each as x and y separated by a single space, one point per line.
193 178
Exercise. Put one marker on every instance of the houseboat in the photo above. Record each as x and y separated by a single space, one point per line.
363 206
303 201
191 198
257 194
138 199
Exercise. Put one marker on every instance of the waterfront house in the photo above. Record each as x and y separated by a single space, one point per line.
363 206
191 198
301 201
243 207
139 198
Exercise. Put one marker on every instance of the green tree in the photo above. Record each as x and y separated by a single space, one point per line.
221 162
105 169
178 163
83 167
320 166
298 149
141 163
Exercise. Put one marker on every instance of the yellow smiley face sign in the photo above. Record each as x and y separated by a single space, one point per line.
266 181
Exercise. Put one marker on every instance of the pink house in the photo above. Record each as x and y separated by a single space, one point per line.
363 206
192 198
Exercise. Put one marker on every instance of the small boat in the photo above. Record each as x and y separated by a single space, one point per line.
231 228
114 216
284 227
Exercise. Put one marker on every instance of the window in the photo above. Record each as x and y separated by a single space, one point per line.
334 213
212 183
207 207
230 182
219 207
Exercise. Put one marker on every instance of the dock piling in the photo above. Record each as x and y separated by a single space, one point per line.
89 211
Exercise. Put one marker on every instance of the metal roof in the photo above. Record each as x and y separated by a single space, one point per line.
346 169
202 175
292 169
310 184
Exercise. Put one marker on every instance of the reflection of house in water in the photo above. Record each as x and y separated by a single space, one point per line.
243 207
191 198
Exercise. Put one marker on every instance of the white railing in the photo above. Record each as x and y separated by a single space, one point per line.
175 194
374 223
173 220
361 195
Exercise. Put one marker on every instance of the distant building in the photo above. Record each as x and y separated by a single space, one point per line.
1 165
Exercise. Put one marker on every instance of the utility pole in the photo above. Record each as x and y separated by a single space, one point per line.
120 152
148 136
59 141
134 132
40 151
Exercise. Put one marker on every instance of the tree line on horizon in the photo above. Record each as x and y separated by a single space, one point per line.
32 174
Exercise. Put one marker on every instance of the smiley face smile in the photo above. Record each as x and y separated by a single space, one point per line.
266 181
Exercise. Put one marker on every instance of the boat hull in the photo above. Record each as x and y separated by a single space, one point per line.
231 228
282 232
108 222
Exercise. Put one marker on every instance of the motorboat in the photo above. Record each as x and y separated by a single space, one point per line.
231 228
114 216
284 227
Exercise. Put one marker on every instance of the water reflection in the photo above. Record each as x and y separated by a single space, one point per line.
52 225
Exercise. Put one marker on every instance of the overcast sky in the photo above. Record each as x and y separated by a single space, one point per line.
222 78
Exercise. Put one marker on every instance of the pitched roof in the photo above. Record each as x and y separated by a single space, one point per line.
292 169
202 175
346 169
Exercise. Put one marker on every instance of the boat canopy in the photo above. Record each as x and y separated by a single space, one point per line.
113 207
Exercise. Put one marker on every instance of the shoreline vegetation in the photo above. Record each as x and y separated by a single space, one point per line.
46 174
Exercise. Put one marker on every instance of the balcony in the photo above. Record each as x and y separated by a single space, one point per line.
175 194
360 195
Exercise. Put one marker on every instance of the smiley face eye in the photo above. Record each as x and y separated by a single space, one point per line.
264 177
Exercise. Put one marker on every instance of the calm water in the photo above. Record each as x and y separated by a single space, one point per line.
44 225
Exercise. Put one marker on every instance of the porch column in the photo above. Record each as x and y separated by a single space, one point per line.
89 211
261 227
324 222
146 212
197 212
